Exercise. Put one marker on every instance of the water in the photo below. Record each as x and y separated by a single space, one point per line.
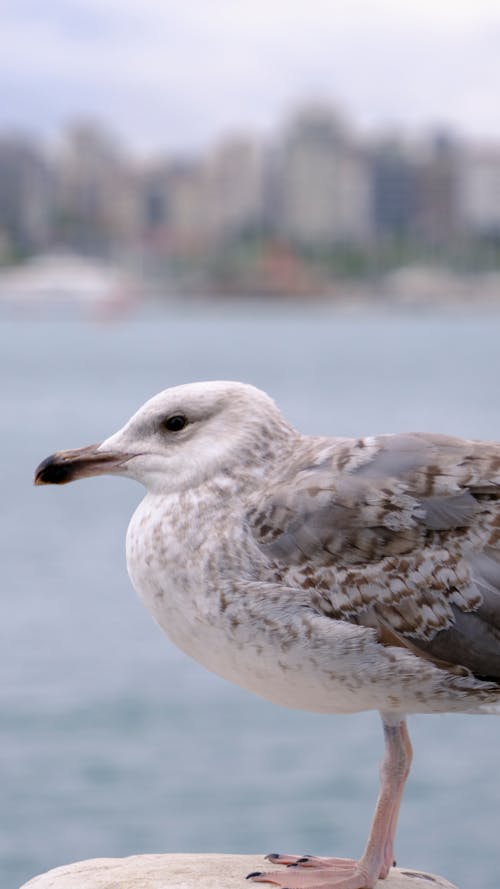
113 742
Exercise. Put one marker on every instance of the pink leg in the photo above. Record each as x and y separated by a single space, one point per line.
389 842
310 872
378 856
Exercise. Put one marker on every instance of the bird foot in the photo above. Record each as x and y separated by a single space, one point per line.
312 872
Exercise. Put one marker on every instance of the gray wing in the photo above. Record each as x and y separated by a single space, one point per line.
400 533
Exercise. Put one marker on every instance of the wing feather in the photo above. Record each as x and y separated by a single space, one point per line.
398 532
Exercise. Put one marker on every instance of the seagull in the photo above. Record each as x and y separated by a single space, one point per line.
333 575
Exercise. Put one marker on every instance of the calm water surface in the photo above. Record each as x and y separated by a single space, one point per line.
113 742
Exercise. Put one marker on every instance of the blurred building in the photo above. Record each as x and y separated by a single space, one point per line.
155 183
175 209
26 197
415 189
187 210
234 176
479 191
97 195
437 204
326 191
196 205
395 189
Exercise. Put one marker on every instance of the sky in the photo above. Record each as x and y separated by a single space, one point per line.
174 76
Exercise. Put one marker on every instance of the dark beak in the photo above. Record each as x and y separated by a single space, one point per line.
67 466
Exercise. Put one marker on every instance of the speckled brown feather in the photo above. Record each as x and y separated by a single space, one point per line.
397 532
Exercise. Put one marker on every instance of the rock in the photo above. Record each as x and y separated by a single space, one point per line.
190 872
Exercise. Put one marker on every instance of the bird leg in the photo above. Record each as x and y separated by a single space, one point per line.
378 856
311 872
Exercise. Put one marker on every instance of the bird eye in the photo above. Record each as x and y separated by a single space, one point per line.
175 423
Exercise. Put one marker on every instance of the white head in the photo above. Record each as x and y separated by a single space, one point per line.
179 438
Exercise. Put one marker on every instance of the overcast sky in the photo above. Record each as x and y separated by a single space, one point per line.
175 75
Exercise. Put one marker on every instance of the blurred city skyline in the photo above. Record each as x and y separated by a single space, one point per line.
166 76
298 213
263 148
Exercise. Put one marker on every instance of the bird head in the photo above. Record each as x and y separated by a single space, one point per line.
178 438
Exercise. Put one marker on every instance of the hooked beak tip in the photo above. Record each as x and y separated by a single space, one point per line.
53 471
67 466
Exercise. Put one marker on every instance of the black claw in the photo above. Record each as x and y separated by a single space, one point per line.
293 864
272 856
255 873
303 860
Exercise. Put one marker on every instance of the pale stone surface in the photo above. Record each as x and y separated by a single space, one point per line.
190 872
